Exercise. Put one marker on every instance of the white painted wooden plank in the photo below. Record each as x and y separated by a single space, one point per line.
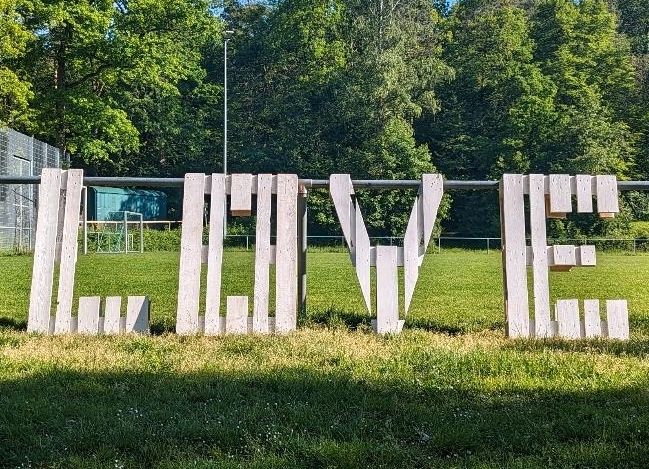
607 198
514 256
584 193
567 312
215 256
189 283
560 194
40 298
236 316
387 290
69 246
362 257
541 284
286 248
88 317
411 255
592 321
137 314
61 217
340 188
112 315
563 257
586 256
241 195
262 254
432 190
617 317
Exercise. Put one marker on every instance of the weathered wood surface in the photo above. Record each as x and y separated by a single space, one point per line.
241 195
112 316
541 285
215 255
560 194
88 322
137 314
567 312
514 256
189 284
387 290
40 298
607 197
286 250
617 318
584 188
592 320
236 318
262 254
69 247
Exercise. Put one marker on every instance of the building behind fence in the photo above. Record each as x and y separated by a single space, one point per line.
21 155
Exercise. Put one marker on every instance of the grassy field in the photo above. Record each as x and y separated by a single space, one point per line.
449 391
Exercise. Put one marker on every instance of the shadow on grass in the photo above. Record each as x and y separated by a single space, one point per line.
14 324
352 320
634 347
295 417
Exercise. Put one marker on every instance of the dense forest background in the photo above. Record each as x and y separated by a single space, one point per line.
377 88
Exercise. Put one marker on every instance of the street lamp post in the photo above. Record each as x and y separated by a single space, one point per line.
225 120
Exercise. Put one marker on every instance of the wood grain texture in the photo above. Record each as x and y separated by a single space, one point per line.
617 318
189 283
341 189
560 194
584 185
538 235
241 195
607 197
387 290
514 254
586 256
567 313
236 316
69 247
88 317
286 248
112 315
592 320
262 254
362 258
215 256
40 297
137 314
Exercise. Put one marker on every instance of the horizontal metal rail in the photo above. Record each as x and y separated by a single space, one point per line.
308 183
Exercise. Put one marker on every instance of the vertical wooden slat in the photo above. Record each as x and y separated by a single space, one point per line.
362 254
215 255
542 319
69 247
387 290
286 248
563 257
586 256
236 316
112 315
514 256
241 195
340 189
432 190
411 255
584 193
607 198
560 194
189 284
568 319
262 254
88 322
592 321
40 298
617 318
137 314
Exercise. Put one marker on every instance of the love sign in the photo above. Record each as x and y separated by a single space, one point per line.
549 197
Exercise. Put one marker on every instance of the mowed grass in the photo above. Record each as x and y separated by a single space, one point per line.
451 390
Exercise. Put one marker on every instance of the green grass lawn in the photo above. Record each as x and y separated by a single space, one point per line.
449 391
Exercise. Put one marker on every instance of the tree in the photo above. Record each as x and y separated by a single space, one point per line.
93 58
15 91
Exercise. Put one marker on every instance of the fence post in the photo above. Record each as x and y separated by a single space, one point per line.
126 232
487 245
439 245
247 243
141 233
302 219
634 246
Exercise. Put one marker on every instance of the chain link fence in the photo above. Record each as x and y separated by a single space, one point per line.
21 155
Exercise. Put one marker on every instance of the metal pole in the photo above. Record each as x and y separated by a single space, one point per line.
225 107
85 219
141 233
126 232
487 245
302 241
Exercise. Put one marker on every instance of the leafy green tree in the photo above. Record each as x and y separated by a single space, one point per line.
93 58
15 91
